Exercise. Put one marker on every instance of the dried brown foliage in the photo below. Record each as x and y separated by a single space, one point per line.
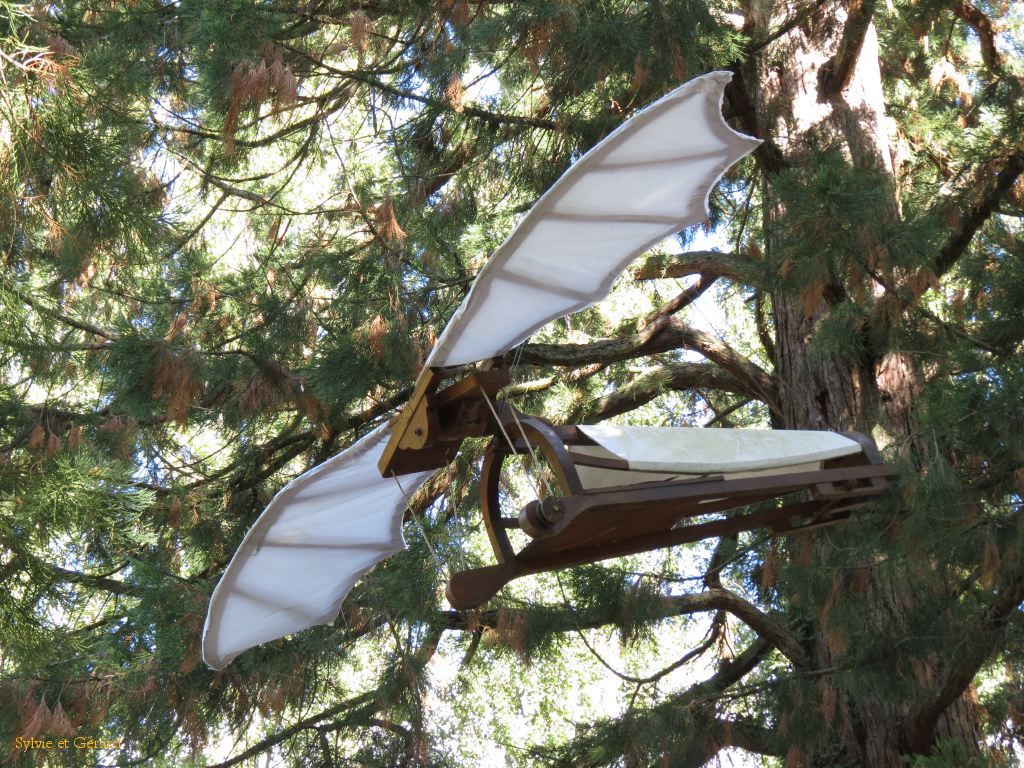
991 560
177 327
376 336
255 83
174 513
454 92
60 725
386 222
510 631
257 395
61 48
640 73
270 700
456 11
124 428
360 28
538 42
204 298
175 375
771 566
37 437
35 719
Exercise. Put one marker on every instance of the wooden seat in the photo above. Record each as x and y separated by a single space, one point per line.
592 520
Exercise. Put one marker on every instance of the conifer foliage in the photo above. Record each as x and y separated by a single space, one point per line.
231 232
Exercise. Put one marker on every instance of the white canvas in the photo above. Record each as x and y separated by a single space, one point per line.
695 451
645 181
318 535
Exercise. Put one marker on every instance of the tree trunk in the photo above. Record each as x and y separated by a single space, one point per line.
820 88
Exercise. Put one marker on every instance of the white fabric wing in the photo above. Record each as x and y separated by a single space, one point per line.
694 451
645 181
317 536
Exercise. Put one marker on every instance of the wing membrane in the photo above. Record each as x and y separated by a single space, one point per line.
646 181
318 535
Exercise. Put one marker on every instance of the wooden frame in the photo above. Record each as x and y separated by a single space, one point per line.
429 431
584 526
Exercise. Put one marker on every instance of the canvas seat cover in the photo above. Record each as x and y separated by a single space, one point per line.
668 453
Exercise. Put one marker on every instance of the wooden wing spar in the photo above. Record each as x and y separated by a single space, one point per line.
619 490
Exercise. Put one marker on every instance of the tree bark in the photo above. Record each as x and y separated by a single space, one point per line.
822 89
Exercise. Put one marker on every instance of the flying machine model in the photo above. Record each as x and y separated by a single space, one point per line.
620 490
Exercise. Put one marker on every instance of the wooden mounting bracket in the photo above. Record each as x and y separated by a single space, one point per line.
430 429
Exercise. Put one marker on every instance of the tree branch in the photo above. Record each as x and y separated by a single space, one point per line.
360 76
764 625
835 75
664 378
746 734
114 586
715 599
683 299
80 325
741 732
972 219
663 335
230 189
731 266
683 723
363 701
983 28
974 650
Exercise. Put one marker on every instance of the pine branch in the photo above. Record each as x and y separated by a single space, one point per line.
732 266
764 625
432 490
74 322
663 335
715 599
835 75
741 733
684 720
495 118
983 28
669 377
361 705
293 447
321 114
114 586
721 416
230 189
684 299
974 650
973 218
